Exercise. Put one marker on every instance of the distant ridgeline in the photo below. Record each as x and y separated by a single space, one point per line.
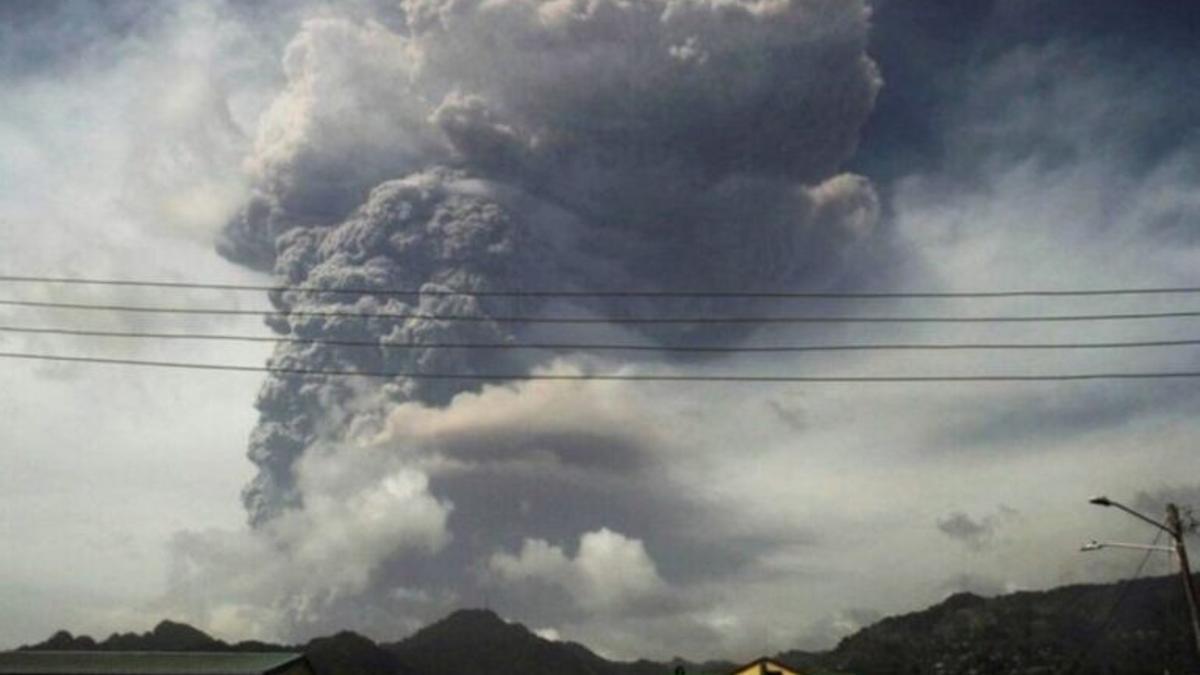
464 643
1129 628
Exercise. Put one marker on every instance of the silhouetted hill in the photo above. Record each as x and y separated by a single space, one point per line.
475 642
1132 628
63 641
167 636
349 653
345 653
478 642
172 636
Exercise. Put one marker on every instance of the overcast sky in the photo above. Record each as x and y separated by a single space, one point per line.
795 145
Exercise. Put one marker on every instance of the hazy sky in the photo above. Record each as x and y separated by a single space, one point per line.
580 145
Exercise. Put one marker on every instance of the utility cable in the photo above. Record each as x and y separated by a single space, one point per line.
780 379
832 295
692 320
1122 594
760 349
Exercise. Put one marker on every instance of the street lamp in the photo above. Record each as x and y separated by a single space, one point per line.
1174 528
1094 545
1105 501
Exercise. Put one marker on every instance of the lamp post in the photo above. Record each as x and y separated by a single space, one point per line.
1094 545
1174 528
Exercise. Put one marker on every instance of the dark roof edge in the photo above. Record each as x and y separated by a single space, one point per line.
281 660
183 652
296 657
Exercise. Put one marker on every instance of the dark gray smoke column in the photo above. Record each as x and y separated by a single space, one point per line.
539 145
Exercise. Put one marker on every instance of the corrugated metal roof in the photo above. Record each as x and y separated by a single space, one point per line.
143 663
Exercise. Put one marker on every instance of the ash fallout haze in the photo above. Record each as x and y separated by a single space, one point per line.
543 181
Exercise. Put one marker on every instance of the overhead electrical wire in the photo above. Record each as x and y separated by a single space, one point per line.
579 346
605 377
764 349
1124 585
82 281
694 320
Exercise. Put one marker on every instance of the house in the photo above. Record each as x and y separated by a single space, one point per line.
762 666
153 663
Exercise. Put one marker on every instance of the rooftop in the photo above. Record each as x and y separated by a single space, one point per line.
143 663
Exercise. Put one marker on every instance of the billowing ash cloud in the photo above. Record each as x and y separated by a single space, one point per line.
539 145
520 145
562 503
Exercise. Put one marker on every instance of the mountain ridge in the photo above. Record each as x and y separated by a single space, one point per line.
1132 627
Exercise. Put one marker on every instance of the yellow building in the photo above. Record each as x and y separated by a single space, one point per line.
764 666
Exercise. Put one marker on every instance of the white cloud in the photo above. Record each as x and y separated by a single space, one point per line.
288 574
608 573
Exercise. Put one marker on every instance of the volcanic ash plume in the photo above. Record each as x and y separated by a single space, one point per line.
523 145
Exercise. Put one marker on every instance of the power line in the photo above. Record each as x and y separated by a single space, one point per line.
694 320
832 295
1126 585
764 349
779 379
